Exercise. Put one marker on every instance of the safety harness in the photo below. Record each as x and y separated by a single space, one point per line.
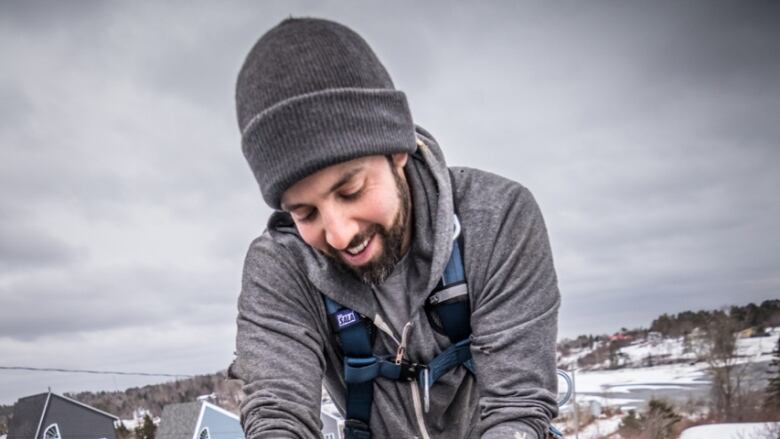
448 311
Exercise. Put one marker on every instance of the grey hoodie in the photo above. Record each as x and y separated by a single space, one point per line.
285 347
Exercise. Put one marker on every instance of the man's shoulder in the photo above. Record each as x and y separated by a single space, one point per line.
265 252
483 190
274 250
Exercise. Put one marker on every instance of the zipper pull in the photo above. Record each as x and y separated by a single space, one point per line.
399 354
379 322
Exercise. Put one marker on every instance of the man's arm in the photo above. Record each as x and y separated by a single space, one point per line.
514 318
279 351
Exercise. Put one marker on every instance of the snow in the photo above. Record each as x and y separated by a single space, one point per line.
623 380
130 424
640 352
666 348
758 348
330 409
616 387
746 430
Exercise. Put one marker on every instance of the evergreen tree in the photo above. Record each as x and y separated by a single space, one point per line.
773 389
122 431
657 423
146 430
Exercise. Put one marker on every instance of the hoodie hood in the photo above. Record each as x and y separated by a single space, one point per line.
432 230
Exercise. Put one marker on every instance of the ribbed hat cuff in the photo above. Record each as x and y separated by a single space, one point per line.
299 136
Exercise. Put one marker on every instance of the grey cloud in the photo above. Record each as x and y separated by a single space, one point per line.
46 15
15 107
98 300
22 249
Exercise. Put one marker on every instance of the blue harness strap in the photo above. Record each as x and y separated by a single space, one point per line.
354 333
448 310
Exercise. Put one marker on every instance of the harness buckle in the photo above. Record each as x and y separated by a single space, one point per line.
408 370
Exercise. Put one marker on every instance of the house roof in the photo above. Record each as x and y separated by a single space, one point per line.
88 407
222 411
27 415
29 412
178 420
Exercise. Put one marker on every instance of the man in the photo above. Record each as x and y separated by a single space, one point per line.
366 213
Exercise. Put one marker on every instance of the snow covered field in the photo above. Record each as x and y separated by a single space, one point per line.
746 430
629 387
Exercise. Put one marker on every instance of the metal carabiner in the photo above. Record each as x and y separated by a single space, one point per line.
426 390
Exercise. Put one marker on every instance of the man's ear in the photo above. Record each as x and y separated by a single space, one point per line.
400 159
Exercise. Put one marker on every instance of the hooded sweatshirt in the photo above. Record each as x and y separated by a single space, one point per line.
286 349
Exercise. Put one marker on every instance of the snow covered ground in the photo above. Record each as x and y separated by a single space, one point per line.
747 430
630 387
637 353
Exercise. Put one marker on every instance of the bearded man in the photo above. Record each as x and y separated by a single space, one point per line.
368 222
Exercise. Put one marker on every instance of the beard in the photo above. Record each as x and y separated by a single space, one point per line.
375 272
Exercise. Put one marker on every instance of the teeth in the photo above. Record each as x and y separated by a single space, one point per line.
358 248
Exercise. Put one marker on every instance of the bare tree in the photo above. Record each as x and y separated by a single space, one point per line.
718 347
772 401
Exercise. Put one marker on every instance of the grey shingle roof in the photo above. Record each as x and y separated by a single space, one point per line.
178 420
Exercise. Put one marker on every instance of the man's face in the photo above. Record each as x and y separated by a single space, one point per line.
356 212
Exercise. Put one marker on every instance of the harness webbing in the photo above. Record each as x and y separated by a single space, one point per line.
354 334
448 309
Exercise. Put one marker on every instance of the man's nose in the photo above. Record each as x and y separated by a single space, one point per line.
339 230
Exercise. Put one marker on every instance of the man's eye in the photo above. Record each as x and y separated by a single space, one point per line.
352 195
306 216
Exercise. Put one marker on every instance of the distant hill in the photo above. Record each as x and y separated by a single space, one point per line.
596 350
154 397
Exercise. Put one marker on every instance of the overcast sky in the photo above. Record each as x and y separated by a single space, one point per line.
648 133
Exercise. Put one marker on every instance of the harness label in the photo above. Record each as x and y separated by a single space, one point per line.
345 318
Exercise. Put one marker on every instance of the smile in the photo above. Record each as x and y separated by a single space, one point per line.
358 254
358 248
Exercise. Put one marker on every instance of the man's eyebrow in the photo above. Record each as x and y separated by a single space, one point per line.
344 179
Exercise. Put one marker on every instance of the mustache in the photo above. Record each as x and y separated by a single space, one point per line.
358 239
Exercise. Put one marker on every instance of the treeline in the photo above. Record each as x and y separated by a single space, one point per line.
5 417
758 317
155 397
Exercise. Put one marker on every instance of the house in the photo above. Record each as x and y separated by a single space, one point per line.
198 420
620 336
753 331
52 416
332 422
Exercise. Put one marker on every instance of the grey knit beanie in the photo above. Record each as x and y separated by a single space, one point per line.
311 94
